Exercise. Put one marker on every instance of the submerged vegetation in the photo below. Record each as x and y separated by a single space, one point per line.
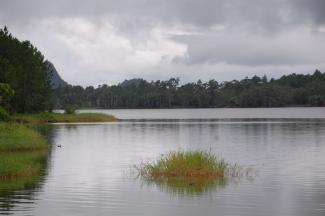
43 118
186 172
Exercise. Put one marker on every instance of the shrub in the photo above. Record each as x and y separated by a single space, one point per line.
70 109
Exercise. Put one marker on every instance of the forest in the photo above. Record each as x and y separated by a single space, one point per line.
289 90
24 80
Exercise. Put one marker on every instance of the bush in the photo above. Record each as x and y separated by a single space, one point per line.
70 109
4 115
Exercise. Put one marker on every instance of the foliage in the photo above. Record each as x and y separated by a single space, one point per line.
6 93
22 67
289 90
43 118
70 109
21 164
23 153
17 137
4 115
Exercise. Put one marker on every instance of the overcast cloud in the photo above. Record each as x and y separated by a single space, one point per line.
92 42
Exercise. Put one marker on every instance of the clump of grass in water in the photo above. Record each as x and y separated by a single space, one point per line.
186 172
195 164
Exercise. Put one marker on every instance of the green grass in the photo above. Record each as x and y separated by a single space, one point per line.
185 172
19 170
23 152
195 164
17 137
21 164
44 118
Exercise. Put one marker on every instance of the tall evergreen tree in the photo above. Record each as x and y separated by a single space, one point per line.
22 67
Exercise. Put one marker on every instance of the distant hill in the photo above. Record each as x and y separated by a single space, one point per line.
56 80
135 82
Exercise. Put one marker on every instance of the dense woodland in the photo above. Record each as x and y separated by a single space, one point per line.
26 86
24 76
290 90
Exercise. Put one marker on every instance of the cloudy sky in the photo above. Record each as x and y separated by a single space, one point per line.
92 42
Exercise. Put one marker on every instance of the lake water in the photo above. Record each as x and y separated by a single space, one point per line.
92 173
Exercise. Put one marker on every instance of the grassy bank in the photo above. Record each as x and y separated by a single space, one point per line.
21 164
43 118
17 137
22 155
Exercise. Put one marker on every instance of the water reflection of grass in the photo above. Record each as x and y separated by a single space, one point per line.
187 186
186 172
21 164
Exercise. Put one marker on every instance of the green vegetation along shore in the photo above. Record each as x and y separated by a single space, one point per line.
43 118
17 137
22 155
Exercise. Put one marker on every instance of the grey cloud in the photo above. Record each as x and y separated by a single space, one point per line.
295 48
267 14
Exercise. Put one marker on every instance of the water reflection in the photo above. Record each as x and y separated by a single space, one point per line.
179 186
85 176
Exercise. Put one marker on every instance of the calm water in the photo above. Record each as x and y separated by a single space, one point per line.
92 173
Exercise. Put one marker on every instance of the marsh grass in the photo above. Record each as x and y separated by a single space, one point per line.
21 170
21 164
17 137
43 118
23 153
197 164
197 172
183 172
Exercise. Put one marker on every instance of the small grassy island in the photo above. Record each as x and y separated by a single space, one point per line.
186 172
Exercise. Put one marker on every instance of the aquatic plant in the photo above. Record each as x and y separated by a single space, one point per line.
197 164
185 172
190 172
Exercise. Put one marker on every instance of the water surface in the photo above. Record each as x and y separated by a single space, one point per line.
90 174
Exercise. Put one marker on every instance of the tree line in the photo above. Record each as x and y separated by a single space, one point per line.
289 90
